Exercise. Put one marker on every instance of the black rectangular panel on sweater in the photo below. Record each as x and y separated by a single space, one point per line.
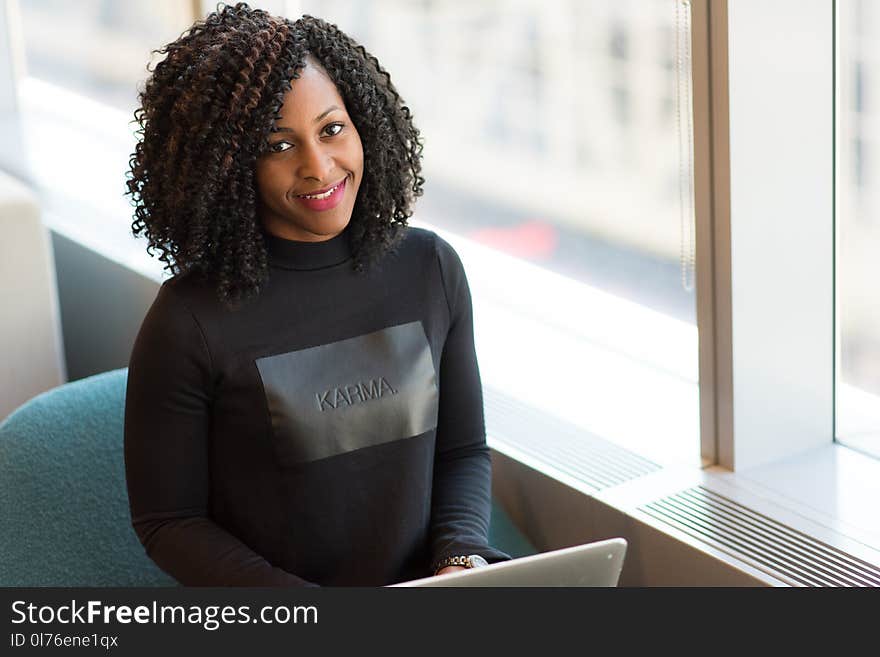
342 396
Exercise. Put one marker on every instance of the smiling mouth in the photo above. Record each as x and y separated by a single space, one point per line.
322 193
324 199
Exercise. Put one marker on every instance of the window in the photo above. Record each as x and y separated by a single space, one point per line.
858 225
83 64
98 48
557 161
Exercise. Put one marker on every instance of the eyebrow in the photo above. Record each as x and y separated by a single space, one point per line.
316 119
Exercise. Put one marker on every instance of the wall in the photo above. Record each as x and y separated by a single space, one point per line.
102 306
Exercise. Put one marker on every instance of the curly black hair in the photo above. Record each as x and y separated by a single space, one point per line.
205 113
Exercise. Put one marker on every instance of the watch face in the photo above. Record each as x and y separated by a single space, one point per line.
477 561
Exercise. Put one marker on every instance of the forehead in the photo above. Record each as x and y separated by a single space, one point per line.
310 95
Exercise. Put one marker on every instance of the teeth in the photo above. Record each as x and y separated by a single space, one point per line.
324 195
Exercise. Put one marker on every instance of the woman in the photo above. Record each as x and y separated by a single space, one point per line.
304 403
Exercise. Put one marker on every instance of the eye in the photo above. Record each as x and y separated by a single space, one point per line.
279 147
333 129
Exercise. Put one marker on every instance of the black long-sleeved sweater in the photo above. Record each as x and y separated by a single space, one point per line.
328 432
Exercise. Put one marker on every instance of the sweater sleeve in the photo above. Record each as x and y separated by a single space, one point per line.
167 420
461 495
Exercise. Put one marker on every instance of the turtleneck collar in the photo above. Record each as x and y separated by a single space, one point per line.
295 254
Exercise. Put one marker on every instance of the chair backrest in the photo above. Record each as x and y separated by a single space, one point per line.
64 514
31 352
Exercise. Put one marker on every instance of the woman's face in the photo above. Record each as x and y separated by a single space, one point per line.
309 176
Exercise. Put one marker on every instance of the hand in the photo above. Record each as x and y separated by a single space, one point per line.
450 569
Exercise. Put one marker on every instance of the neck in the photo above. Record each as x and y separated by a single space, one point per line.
296 254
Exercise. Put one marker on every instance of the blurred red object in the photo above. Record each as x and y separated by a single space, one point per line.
532 240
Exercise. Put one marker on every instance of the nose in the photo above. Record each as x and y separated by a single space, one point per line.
315 162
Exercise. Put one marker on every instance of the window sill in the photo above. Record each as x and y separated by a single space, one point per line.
833 486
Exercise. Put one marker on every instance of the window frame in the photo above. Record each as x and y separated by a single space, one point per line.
741 104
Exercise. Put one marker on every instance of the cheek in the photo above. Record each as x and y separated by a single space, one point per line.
357 153
270 180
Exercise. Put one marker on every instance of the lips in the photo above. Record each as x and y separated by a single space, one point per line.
327 202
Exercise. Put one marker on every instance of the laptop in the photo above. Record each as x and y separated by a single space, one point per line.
591 564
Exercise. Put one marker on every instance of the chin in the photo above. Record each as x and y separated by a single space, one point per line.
328 228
